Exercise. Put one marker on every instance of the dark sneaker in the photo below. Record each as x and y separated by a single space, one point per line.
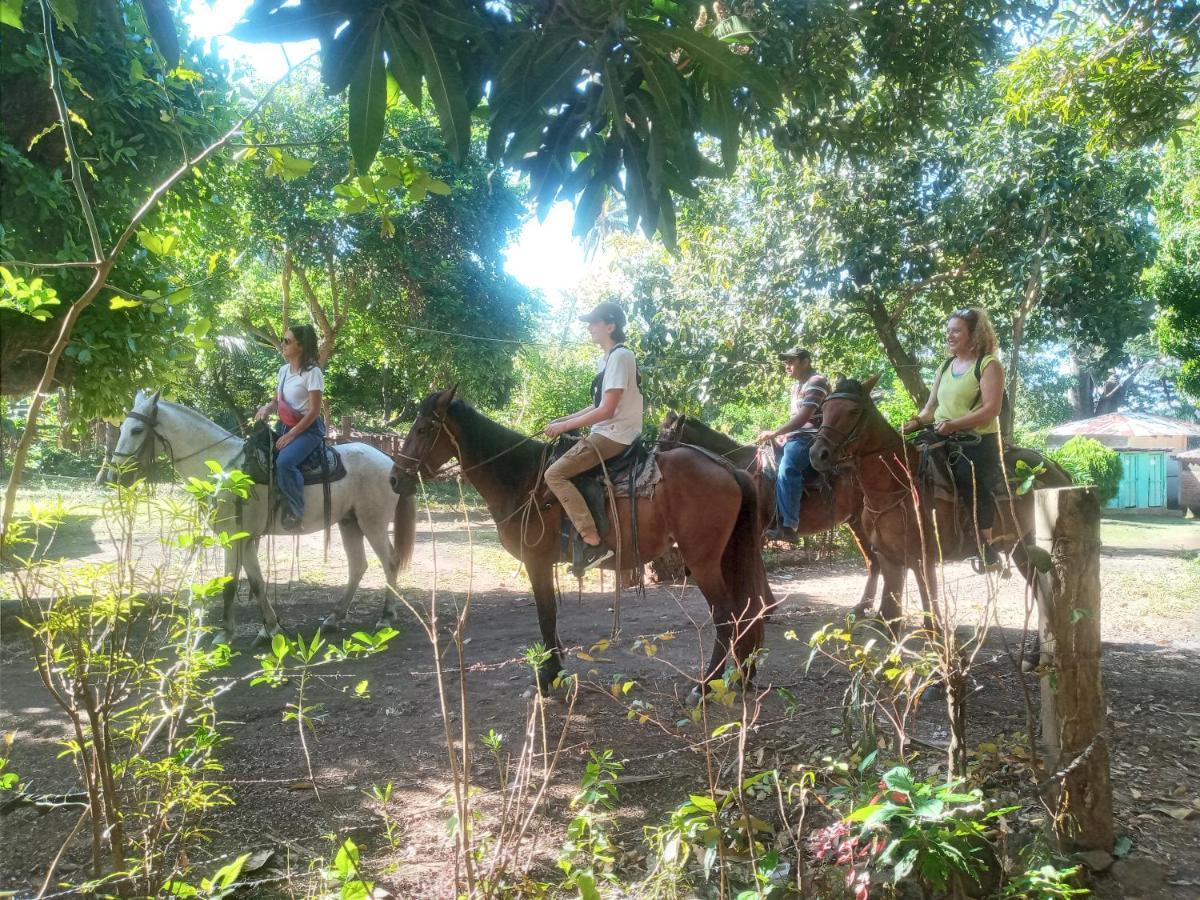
990 561
587 556
785 534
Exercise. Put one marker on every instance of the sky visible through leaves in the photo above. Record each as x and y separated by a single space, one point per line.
545 257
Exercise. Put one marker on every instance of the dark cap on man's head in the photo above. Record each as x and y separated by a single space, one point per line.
606 312
795 353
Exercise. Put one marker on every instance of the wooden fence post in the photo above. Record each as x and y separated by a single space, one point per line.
344 429
1078 784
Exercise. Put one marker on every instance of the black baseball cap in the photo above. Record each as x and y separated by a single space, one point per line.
795 353
605 312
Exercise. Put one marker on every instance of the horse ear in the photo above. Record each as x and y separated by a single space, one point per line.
154 397
447 398
869 384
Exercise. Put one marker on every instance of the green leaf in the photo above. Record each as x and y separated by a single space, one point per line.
279 646
404 63
66 11
444 82
368 103
865 812
118 302
703 803
718 61
10 14
1039 557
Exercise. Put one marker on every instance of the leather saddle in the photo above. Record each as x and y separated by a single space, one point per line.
323 466
935 472
624 467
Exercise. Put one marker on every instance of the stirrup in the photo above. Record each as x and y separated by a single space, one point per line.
990 561
586 556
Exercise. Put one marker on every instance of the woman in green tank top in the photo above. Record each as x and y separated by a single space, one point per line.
967 395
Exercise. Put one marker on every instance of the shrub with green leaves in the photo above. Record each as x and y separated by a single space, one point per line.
1090 462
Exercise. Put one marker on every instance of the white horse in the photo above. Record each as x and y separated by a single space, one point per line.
362 504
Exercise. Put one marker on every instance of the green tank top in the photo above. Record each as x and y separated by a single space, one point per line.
957 395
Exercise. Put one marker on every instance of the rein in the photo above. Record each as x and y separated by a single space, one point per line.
146 450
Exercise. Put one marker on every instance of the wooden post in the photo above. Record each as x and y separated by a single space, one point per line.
344 429
1074 741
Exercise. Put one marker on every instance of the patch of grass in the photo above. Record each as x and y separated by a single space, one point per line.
1152 532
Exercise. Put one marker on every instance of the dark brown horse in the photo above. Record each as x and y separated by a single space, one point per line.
825 506
709 509
900 527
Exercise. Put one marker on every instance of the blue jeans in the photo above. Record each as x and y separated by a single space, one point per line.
287 464
789 487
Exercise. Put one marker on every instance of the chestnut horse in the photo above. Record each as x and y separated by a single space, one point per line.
898 526
707 507
834 503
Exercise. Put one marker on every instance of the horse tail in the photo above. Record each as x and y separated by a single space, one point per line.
744 573
405 536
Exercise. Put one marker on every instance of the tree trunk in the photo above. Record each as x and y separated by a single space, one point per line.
1082 393
1078 787
907 367
1033 293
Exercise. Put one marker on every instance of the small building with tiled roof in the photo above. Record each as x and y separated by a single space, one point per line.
1150 448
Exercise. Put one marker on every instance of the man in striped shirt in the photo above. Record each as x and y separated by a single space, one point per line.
807 393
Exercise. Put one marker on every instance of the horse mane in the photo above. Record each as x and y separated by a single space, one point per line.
521 457
717 437
198 417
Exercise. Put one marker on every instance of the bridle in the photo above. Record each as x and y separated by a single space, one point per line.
439 421
145 453
848 435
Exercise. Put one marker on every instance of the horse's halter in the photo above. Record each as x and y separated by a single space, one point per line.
847 435
439 422
146 453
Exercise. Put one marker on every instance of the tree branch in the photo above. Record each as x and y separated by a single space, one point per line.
910 293
64 119
103 267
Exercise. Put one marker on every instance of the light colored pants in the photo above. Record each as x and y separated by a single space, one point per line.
583 456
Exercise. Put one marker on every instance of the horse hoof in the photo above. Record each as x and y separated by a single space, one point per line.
219 637
695 697
263 639
384 623
330 626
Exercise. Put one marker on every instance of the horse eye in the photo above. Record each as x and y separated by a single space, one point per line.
138 429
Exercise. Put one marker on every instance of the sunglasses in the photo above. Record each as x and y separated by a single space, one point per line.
287 341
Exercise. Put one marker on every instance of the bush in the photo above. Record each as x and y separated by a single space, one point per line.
743 420
1090 462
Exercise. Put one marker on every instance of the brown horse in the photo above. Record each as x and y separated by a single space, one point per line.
899 526
825 506
709 509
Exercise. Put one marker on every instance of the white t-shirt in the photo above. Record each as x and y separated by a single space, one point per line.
620 373
295 385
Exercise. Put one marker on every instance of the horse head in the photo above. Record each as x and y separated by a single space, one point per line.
429 443
842 417
672 423
137 442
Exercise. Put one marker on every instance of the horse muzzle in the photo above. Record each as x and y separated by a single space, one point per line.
821 457
403 481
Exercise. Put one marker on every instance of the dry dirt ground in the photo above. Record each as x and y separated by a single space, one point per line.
1152 647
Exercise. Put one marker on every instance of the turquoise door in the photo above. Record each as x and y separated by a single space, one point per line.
1143 481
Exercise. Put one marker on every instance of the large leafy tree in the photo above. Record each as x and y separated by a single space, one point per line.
391 265
1174 281
140 105
641 97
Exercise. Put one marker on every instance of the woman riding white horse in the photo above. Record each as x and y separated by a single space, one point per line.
362 503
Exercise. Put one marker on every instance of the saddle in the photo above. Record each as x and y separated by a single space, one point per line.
323 466
628 472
